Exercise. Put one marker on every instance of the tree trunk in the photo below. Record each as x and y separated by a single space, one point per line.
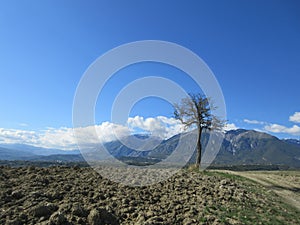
199 149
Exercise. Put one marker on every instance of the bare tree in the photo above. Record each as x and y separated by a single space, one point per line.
195 110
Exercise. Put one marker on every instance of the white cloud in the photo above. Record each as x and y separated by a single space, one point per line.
276 128
295 118
230 126
253 121
17 136
160 126
64 138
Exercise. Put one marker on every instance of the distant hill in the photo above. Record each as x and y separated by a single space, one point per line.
9 154
28 152
59 158
37 150
292 141
244 147
119 148
240 147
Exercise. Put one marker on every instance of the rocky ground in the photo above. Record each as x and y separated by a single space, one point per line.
74 195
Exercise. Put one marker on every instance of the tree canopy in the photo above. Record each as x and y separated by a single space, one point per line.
197 111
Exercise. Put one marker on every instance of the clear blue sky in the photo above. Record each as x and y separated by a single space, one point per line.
253 48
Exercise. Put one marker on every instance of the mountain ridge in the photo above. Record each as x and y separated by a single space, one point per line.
239 147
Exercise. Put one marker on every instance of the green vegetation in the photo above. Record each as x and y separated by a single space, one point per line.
266 208
257 167
263 206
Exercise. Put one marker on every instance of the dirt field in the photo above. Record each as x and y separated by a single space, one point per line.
74 195
286 184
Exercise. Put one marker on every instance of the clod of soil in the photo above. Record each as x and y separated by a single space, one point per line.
72 195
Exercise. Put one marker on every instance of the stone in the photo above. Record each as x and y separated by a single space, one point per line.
41 211
77 210
188 221
14 222
224 182
58 218
17 194
94 217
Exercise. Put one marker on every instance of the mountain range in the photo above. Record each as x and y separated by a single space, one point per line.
29 152
246 147
239 147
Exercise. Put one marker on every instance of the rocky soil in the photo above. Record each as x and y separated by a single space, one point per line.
74 195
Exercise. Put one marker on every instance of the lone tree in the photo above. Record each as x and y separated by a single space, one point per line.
196 111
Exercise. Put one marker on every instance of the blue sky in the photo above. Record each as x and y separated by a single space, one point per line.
251 46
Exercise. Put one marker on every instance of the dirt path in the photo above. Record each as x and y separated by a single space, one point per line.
284 183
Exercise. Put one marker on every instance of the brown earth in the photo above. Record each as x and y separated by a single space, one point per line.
74 195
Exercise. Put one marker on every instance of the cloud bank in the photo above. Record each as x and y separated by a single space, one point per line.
64 138
295 118
277 128
294 130
160 126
